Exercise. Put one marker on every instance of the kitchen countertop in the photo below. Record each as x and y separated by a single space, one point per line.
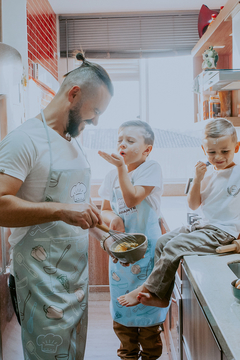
211 280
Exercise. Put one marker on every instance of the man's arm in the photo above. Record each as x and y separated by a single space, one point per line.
16 212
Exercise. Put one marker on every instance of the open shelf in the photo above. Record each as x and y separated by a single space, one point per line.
218 33
221 36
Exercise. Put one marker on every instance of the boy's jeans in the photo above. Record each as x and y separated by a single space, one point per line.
171 248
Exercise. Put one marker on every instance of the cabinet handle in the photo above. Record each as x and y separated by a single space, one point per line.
3 245
177 327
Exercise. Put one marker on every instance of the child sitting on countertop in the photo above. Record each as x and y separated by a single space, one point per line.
131 203
216 189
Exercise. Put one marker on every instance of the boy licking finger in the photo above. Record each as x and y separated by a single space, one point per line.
131 202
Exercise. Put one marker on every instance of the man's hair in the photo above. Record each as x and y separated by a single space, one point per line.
87 74
220 127
147 132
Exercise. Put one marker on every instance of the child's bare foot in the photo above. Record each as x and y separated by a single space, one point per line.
131 299
150 299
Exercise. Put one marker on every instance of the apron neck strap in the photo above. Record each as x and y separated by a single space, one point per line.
49 142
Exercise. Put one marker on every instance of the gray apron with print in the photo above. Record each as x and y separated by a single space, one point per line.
141 219
51 273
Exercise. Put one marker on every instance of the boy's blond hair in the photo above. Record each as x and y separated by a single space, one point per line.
220 127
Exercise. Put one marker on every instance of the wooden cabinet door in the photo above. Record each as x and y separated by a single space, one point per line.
98 267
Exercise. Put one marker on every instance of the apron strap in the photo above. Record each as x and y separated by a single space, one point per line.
49 142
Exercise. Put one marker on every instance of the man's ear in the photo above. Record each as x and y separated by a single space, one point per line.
73 92
148 150
237 147
203 150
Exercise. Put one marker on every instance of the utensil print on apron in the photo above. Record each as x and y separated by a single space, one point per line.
142 219
50 267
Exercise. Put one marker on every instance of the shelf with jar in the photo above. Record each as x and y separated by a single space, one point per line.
221 83
217 94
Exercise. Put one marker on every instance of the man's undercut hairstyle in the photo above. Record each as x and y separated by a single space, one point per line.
87 74
220 127
147 131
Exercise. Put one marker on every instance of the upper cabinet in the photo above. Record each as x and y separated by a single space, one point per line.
217 91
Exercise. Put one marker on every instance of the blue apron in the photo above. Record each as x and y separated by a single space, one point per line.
51 273
139 219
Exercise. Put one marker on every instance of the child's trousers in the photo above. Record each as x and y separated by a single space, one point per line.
132 337
170 249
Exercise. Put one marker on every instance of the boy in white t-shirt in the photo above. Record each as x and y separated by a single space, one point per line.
216 189
131 203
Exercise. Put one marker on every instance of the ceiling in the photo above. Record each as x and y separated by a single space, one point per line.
63 7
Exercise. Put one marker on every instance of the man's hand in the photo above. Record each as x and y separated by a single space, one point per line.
84 215
114 159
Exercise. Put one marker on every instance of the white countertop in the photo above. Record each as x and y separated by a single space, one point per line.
211 279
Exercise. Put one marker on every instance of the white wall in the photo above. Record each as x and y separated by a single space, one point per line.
65 66
14 27
236 40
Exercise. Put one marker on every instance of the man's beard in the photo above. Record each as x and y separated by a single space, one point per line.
74 120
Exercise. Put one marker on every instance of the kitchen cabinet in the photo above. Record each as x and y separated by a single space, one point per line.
208 83
173 323
198 339
188 333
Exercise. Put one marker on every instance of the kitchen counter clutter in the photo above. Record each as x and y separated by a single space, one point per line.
210 278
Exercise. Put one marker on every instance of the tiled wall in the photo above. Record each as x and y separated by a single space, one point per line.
42 36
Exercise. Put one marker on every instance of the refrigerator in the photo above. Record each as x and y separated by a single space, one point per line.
11 115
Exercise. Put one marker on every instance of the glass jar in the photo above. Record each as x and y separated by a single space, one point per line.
225 98
205 107
214 107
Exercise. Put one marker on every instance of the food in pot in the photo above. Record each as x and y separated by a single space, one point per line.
125 245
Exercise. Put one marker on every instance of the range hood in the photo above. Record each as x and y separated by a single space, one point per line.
221 80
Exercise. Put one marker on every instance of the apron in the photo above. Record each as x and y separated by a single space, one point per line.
139 219
51 273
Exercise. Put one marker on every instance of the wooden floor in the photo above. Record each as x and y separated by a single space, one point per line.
102 343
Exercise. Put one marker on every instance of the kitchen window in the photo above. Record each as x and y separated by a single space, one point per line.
159 91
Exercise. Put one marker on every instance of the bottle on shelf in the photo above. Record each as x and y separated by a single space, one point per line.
225 98
205 107
214 107
213 18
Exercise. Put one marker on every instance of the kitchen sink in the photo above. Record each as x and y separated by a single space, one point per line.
235 267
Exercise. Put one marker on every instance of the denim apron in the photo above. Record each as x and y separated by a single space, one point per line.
139 219
51 273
